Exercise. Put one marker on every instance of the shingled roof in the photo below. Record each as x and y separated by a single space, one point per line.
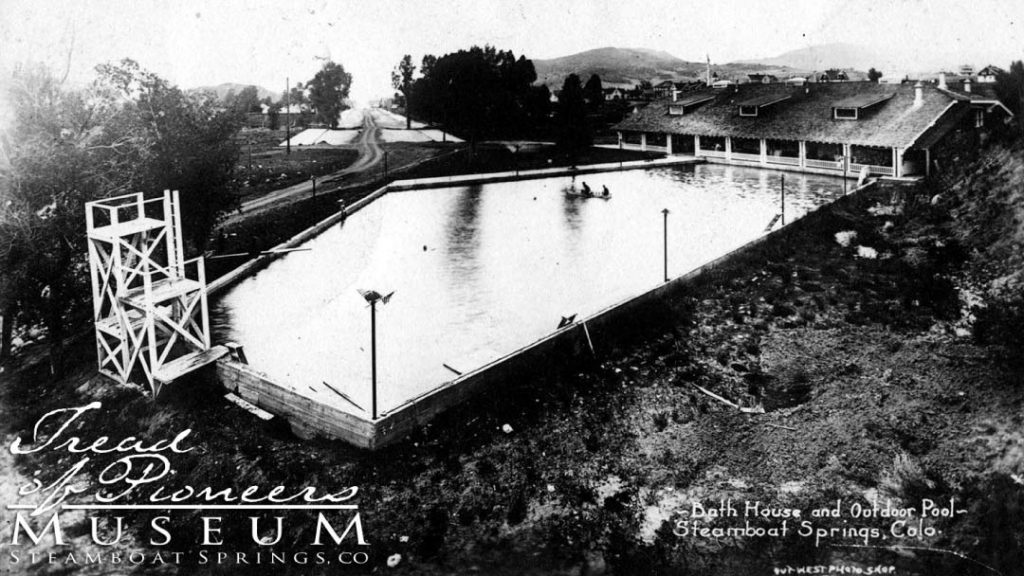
807 115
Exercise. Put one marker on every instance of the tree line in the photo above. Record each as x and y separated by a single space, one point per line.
323 98
490 93
130 130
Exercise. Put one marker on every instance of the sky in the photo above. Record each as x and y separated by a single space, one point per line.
195 43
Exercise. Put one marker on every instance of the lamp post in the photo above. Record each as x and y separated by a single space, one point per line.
372 296
783 201
665 242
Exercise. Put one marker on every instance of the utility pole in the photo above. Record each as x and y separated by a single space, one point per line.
373 355
665 244
287 117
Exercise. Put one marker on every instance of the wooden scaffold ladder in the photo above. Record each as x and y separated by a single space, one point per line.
149 303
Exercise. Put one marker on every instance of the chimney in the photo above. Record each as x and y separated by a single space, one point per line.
675 93
967 84
942 80
918 94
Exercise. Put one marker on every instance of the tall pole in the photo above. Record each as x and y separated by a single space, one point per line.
665 243
845 166
783 199
287 117
373 354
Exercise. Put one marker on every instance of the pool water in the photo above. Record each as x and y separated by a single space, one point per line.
479 271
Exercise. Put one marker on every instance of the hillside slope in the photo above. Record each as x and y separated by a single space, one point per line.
627 67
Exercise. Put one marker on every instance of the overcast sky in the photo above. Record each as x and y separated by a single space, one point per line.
261 42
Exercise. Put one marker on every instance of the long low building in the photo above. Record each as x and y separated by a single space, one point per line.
846 128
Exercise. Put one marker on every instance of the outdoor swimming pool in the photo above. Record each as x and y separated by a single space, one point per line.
480 271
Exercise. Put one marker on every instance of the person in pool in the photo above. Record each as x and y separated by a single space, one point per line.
605 192
586 190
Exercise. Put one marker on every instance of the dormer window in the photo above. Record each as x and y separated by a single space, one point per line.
757 106
845 113
687 105
855 107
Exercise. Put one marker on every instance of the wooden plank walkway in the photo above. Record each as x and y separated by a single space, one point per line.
188 363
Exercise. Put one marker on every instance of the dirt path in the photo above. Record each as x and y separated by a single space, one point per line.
370 154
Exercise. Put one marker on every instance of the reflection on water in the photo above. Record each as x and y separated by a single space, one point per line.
479 271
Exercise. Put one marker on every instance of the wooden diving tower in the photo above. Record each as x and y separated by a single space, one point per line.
149 303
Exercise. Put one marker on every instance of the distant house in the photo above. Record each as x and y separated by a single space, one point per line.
833 76
839 128
664 89
294 115
967 70
613 94
762 78
989 74
796 81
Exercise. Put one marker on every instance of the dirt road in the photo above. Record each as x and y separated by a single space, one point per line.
370 154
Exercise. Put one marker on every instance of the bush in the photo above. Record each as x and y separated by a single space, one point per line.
1001 325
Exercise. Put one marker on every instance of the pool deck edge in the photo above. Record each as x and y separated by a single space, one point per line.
309 418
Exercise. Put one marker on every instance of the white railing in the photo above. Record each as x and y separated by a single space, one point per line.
788 160
746 156
711 153
872 169
826 164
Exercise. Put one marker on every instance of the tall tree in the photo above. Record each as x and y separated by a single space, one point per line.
248 100
56 156
593 91
189 142
129 131
479 91
328 92
573 130
401 80
1010 89
874 75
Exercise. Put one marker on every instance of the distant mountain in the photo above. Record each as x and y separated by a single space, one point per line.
626 67
616 67
825 56
221 90
911 59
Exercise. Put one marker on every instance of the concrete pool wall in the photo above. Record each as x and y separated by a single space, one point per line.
309 418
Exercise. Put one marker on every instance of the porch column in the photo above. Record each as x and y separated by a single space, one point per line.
620 140
897 166
846 158
803 153
728 148
643 141
668 144
696 145
764 151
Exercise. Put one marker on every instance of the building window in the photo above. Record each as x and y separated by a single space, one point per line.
845 113
979 118
748 110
